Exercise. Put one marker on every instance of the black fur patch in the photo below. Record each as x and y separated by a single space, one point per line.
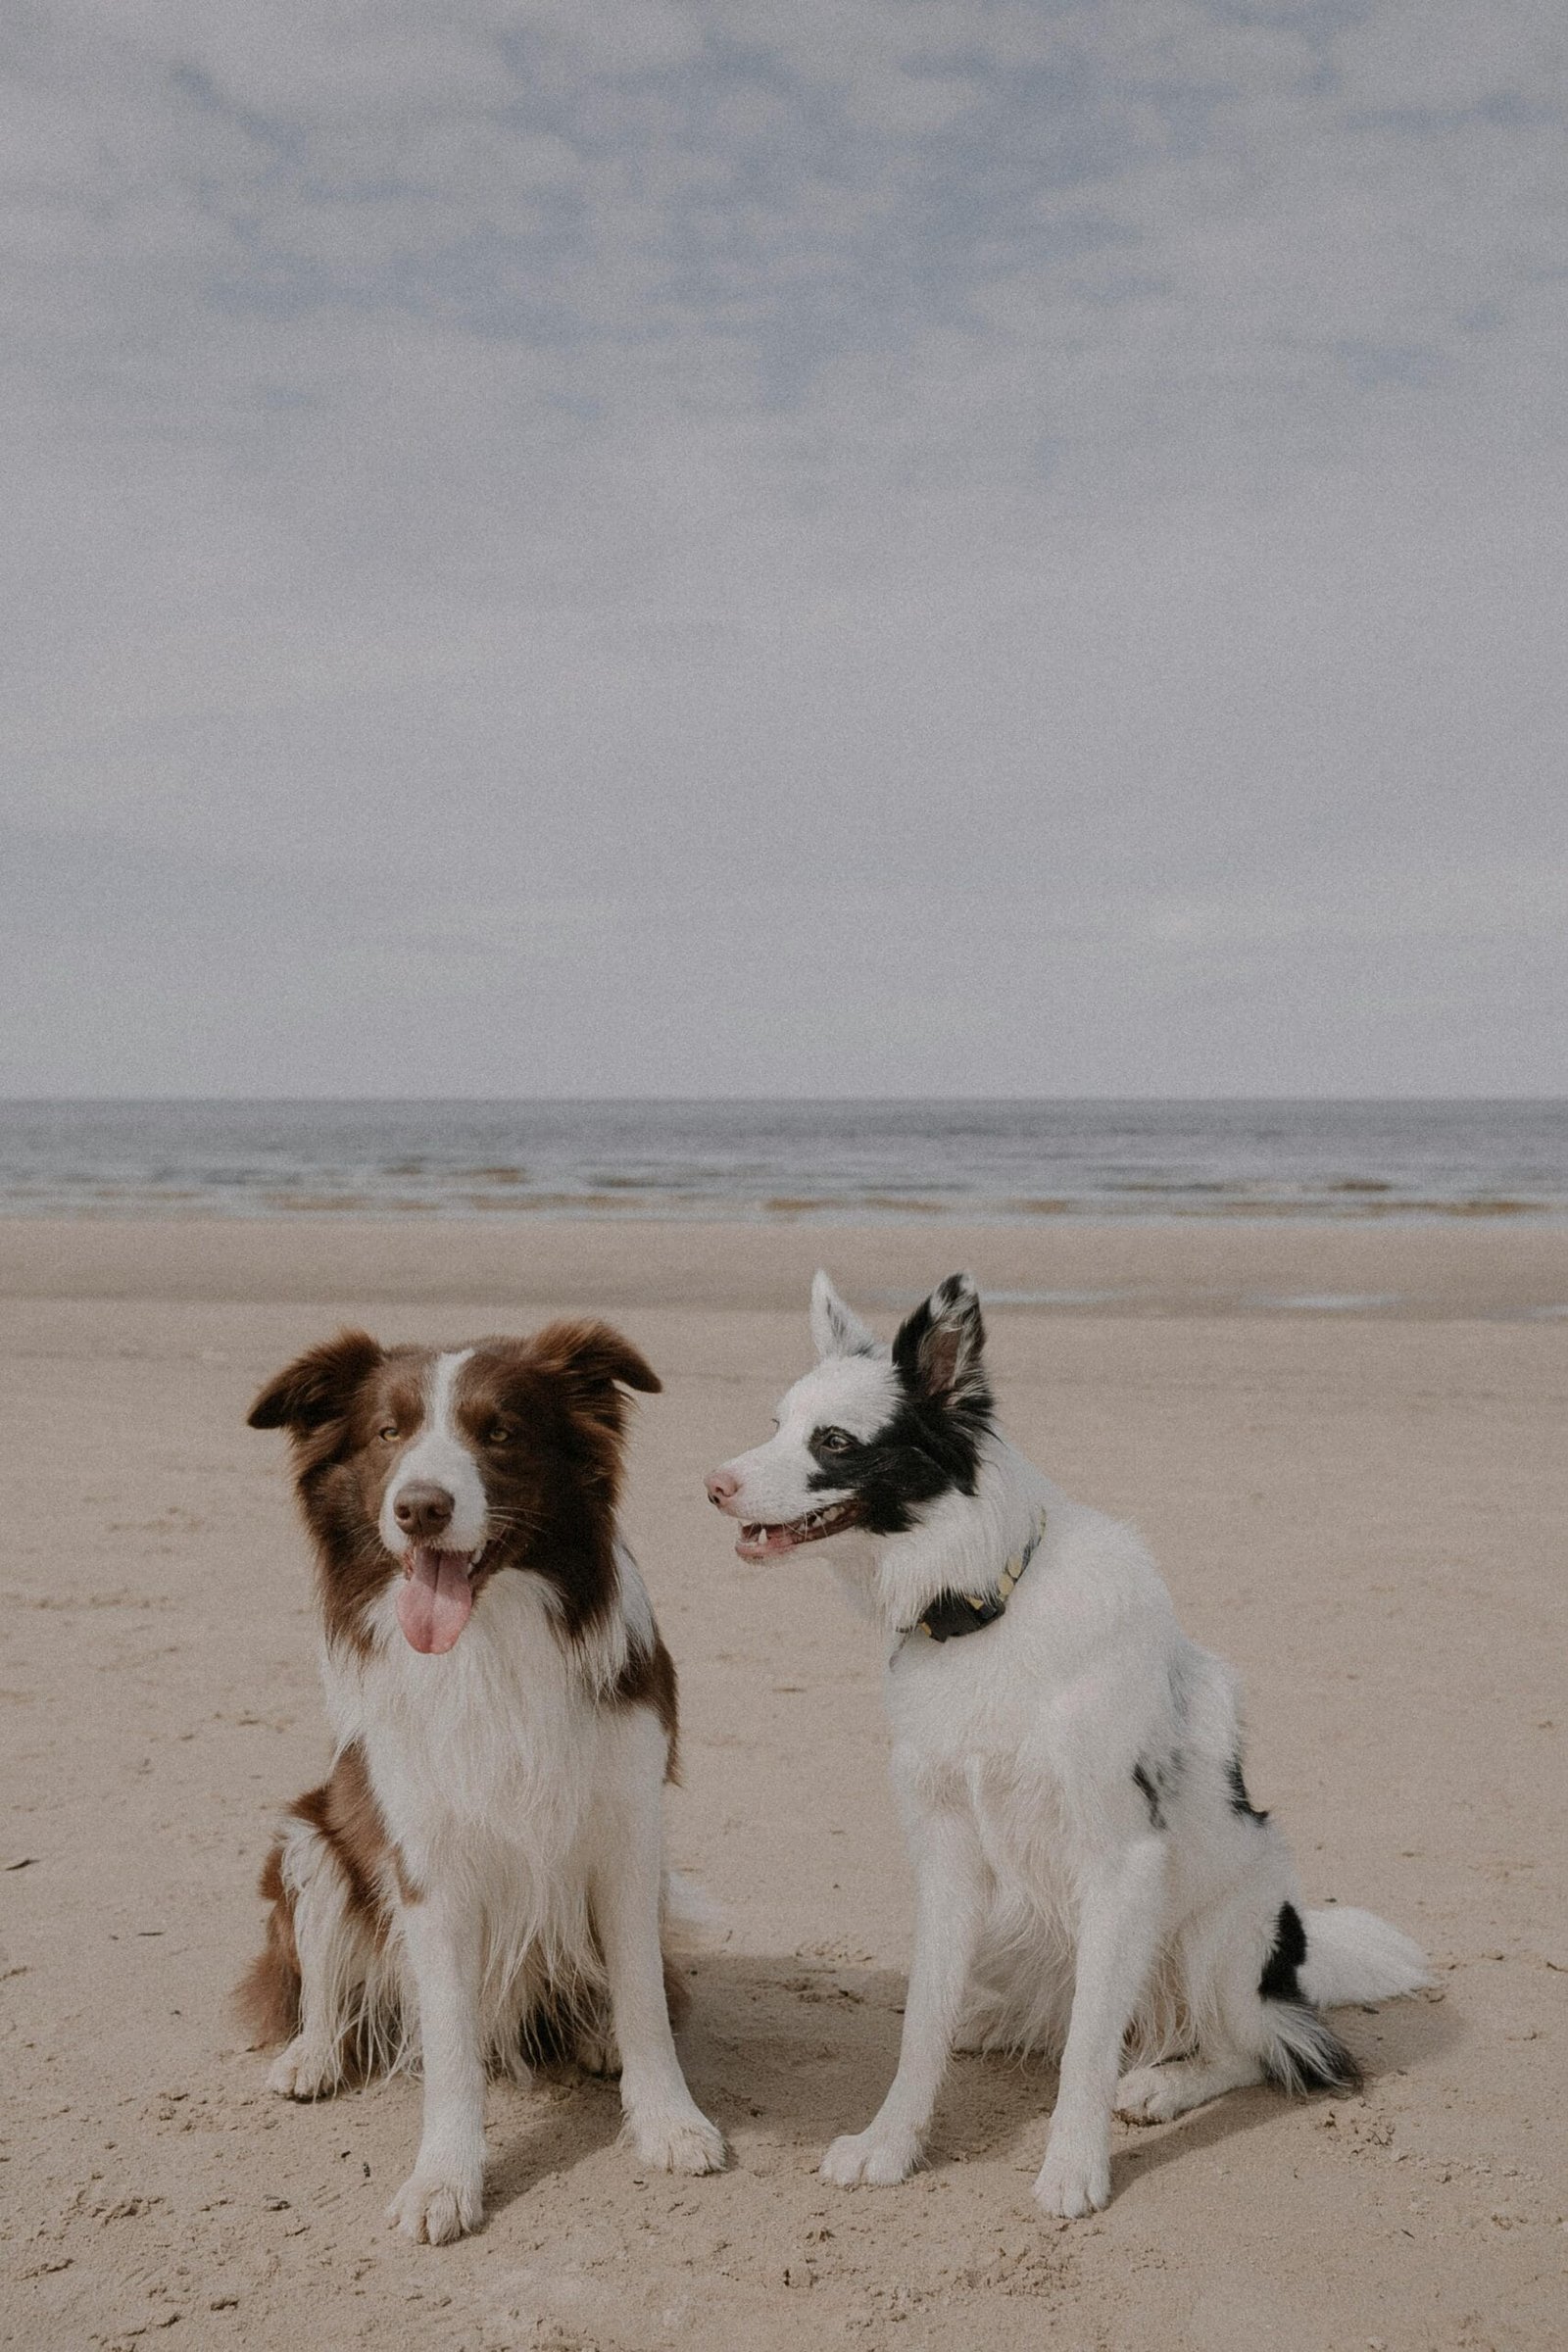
1241 1802
937 1350
925 1450
951 1615
1151 1796
930 1446
1280 1981
1312 2057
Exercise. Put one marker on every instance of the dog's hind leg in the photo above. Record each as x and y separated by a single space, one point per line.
1155 2095
1257 2006
334 1957
1245 1964
1118 1932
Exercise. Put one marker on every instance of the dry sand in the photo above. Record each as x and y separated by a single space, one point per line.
1363 1510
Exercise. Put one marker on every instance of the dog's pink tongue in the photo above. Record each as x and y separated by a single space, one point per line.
434 1599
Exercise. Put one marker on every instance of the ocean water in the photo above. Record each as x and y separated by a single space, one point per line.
827 1161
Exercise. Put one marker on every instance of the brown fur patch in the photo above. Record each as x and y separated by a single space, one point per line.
344 1813
590 1357
648 1680
336 1401
311 1393
547 1424
267 1998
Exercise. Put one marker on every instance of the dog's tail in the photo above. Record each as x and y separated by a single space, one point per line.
1302 2052
1355 1956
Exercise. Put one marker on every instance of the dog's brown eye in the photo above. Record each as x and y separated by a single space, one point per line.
501 1433
833 1441
390 1435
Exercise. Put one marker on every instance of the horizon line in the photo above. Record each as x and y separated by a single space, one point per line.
738 1101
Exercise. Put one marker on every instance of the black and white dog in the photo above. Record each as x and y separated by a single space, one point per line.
1093 1878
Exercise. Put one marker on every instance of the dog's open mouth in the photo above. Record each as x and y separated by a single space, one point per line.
436 1595
759 1542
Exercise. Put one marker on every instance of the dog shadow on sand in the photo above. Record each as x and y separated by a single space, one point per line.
792 2050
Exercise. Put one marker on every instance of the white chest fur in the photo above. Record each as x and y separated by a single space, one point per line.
493 1745
1032 1727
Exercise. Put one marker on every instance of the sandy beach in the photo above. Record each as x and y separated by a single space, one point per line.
1345 1446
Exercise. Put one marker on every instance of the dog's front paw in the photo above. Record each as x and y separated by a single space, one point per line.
435 2208
870 2159
306 2070
1072 2181
684 2141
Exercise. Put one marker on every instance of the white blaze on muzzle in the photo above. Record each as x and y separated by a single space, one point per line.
434 1600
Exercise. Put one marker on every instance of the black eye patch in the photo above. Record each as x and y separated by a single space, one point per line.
925 1450
831 1439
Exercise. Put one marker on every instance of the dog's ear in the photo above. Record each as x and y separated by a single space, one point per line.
317 1387
938 1348
836 1328
590 1359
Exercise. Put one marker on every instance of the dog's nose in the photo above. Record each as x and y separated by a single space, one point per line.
722 1487
423 1511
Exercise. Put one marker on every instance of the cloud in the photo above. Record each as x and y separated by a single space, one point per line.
857 455
1448 57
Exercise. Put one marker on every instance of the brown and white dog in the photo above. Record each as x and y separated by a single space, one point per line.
479 1880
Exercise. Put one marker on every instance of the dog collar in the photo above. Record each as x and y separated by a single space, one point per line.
952 1614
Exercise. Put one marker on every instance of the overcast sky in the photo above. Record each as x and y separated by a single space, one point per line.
784 546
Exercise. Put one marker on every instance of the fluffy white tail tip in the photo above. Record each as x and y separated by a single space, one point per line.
1355 1956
